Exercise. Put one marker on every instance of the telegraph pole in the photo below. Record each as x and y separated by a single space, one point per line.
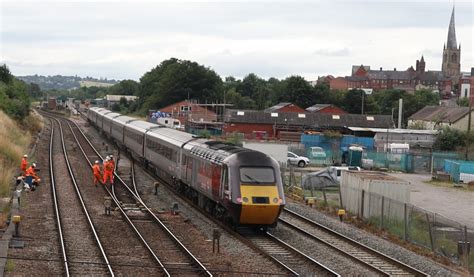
468 139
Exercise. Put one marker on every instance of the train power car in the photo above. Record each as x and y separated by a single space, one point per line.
236 184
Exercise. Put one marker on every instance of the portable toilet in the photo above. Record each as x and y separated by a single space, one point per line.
355 156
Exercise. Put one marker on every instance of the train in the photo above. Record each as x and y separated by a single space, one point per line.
237 185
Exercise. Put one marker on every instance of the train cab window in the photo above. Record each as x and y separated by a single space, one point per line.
257 175
225 179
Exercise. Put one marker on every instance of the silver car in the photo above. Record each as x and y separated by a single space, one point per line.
294 159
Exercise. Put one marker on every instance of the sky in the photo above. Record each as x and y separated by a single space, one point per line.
125 39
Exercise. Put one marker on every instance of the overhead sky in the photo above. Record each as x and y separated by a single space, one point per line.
125 39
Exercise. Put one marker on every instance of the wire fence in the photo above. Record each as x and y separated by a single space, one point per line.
408 222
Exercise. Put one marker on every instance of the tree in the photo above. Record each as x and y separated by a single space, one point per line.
5 75
449 139
125 87
296 89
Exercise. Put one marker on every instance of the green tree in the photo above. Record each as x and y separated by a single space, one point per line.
125 87
175 80
5 74
297 90
450 139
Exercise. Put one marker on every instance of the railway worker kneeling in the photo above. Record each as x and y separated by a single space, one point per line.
108 171
97 174
31 178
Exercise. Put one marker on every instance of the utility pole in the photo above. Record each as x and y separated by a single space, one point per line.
468 139
400 109
362 109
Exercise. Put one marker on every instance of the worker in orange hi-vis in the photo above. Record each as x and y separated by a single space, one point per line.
96 172
24 164
108 171
31 178
112 161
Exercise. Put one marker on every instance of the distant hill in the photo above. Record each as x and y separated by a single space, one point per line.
60 82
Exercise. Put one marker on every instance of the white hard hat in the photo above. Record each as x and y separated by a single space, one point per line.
111 156
96 162
25 156
33 165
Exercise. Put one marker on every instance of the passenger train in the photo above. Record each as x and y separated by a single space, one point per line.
238 185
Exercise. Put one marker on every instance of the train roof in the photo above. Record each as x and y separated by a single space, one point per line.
123 119
172 136
103 111
142 126
112 115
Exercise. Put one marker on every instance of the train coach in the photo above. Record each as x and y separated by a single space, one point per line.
236 184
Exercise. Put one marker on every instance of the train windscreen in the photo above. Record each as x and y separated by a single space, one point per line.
257 175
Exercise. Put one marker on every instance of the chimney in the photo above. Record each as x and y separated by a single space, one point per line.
380 68
394 69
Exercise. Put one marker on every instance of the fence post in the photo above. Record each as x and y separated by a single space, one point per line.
406 221
362 205
381 213
430 230
324 196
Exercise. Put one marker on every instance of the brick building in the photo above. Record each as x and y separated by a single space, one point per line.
444 81
261 124
187 111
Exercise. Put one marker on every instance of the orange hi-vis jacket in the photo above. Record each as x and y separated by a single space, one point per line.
24 165
31 172
96 170
108 172
112 163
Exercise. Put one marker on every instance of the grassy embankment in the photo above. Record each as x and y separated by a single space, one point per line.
15 138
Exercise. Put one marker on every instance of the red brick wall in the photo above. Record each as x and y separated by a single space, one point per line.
338 83
247 129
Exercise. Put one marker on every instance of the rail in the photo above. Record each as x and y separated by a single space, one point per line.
374 259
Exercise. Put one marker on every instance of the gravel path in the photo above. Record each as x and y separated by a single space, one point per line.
38 226
451 203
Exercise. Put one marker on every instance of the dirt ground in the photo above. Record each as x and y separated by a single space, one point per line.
453 203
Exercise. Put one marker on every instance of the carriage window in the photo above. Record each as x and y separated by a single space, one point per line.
257 175
225 179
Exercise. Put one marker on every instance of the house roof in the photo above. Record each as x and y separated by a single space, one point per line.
440 113
318 107
277 107
309 119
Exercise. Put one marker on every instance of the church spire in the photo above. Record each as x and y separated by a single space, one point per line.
452 33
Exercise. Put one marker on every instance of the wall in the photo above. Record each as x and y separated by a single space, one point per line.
276 150
338 83
332 110
248 128
353 182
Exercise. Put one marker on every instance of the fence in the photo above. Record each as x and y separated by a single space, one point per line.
406 221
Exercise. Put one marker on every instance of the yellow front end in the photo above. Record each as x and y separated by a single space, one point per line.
260 204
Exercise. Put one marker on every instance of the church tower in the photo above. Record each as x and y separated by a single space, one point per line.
451 67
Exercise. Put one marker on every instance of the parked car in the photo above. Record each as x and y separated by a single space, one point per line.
336 171
317 152
294 159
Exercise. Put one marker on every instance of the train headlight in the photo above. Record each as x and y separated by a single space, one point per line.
245 199
275 200
239 200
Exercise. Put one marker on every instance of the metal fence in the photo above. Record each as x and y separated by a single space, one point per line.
406 221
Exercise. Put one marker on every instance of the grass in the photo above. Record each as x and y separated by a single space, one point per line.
10 266
436 183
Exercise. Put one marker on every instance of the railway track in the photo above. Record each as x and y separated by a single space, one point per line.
372 258
293 261
171 255
81 253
